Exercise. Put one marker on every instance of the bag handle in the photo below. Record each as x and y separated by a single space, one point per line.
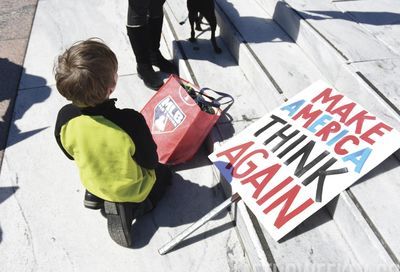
216 102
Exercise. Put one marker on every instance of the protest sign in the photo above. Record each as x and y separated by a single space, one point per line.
290 163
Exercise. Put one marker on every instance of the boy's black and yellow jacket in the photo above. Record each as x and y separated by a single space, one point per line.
113 149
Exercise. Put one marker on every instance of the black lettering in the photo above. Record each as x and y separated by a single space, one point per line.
321 180
291 146
321 173
275 119
305 153
280 133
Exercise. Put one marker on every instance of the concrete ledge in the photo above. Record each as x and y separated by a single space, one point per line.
357 230
247 59
336 70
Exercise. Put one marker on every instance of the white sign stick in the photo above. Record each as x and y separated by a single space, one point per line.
214 212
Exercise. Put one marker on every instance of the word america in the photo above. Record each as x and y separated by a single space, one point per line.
337 133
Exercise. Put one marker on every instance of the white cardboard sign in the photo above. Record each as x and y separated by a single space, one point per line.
294 160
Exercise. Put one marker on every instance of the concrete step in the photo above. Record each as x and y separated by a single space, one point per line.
272 67
337 47
334 35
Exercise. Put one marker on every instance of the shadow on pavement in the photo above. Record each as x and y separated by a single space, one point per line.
203 235
10 74
363 17
201 49
6 192
185 202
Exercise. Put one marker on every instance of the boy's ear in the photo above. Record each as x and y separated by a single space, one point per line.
111 90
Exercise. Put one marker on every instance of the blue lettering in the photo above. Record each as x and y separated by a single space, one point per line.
337 137
292 108
358 158
319 122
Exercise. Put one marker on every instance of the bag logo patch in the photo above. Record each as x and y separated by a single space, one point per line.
167 116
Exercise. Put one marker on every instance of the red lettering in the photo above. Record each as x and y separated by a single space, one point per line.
306 113
251 165
229 153
339 146
269 173
274 190
288 198
359 118
326 97
366 136
332 127
343 111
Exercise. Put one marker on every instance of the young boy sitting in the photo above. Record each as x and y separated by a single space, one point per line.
113 148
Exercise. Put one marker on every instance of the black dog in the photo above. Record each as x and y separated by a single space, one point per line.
198 9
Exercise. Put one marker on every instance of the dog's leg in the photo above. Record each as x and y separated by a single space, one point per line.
213 25
198 21
192 20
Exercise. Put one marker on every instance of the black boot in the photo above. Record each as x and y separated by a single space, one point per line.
140 40
157 59
149 76
120 216
119 222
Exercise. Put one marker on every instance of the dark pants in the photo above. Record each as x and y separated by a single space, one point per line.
163 180
140 10
164 175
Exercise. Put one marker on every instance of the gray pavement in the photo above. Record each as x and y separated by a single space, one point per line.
43 224
15 21
271 51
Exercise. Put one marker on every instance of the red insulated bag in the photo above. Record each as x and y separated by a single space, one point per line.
177 122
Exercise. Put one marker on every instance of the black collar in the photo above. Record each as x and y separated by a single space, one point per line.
100 109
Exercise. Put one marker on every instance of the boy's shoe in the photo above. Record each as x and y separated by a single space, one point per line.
140 209
119 220
92 202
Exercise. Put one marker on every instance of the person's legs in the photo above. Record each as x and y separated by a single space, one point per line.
139 37
120 215
156 15
138 11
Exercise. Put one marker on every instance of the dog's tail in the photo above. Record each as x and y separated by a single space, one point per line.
184 21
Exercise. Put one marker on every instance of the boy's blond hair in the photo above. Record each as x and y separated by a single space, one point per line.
85 72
